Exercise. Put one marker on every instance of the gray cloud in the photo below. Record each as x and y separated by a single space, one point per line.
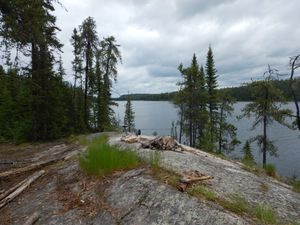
158 35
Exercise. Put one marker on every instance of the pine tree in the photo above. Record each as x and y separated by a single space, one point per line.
89 44
129 115
266 108
191 100
110 56
248 156
211 82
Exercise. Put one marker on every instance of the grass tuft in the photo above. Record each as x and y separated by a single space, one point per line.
202 191
155 161
270 170
296 185
265 214
235 203
101 158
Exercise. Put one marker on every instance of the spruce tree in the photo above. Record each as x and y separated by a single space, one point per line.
248 156
89 44
129 115
211 82
266 108
110 57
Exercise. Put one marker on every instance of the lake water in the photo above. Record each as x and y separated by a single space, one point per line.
157 116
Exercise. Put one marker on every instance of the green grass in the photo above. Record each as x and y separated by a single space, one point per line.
101 158
265 214
155 160
296 185
202 191
270 170
235 203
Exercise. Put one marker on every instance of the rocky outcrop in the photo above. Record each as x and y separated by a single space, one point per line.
229 178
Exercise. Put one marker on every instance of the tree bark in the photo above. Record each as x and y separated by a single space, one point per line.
221 130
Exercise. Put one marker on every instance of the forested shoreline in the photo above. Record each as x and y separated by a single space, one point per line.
241 93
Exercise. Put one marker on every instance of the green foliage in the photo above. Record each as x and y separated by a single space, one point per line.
191 100
296 185
129 116
236 203
202 191
270 170
101 158
265 109
248 156
155 161
227 133
265 214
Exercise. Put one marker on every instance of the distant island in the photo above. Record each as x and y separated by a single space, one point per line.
241 93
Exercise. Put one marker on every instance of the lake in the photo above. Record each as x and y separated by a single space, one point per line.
157 116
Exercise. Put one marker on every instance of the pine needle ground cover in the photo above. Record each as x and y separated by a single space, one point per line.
102 158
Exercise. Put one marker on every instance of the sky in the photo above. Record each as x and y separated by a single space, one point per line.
156 36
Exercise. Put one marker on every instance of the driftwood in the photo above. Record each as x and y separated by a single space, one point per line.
20 188
12 189
189 178
130 139
32 219
161 143
36 165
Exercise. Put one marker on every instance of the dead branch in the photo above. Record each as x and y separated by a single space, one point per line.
32 219
26 183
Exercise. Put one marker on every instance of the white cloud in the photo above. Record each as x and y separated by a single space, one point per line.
158 35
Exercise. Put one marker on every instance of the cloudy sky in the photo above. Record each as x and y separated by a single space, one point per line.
156 36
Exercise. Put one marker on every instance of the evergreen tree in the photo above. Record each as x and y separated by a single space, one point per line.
248 156
129 116
191 100
110 56
226 132
89 45
211 82
266 108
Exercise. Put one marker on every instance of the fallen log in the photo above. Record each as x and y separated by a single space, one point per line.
34 166
12 189
32 219
28 168
189 180
25 184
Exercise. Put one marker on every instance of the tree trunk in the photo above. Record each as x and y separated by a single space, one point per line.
265 143
180 124
221 130
293 91
34 66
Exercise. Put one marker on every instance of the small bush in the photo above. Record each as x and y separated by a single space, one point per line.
202 191
270 170
101 158
265 214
